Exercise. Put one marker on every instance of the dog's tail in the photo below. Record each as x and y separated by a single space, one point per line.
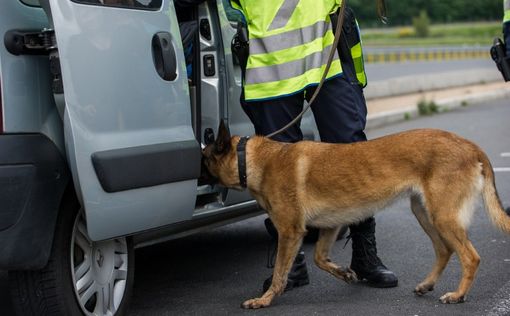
490 196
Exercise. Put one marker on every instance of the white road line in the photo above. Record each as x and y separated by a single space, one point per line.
505 154
501 169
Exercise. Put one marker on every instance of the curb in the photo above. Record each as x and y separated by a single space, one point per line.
411 111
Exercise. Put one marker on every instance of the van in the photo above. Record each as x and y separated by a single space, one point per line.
103 114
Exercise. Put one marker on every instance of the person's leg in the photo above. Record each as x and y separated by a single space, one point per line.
506 32
340 113
267 117
271 115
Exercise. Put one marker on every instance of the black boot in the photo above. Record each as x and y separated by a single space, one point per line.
365 261
298 275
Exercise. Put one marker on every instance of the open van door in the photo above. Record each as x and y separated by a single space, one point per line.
127 120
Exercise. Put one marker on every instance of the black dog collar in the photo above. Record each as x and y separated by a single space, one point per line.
241 160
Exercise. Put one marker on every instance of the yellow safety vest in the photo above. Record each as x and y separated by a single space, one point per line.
289 44
359 64
506 4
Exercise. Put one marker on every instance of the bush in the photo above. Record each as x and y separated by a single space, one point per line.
427 107
421 24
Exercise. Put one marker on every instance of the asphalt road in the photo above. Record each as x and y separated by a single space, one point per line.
211 273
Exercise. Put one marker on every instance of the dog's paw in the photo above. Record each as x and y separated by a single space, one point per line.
256 303
423 288
452 298
347 275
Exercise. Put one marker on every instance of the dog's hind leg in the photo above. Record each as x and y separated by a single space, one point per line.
450 215
443 253
289 241
455 236
327 237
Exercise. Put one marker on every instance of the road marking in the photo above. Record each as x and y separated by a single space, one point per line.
505 154
501 169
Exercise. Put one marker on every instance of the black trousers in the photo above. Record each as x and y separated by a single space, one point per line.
339 111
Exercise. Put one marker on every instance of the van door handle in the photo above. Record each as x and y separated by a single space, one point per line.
164 57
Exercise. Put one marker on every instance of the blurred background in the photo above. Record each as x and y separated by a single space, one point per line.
429 30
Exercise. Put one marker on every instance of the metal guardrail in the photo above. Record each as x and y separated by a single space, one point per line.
403 54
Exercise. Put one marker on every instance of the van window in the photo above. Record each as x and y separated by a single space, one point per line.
32 3
128 4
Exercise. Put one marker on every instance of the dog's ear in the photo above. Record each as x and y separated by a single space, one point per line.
222 142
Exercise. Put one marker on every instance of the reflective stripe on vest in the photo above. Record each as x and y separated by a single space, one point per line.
359 64
357 58
290 41
289 69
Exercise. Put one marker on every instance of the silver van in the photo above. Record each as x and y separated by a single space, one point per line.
103 112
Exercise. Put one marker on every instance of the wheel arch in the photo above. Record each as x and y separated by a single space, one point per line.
43 184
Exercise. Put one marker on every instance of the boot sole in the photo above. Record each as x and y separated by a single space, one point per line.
382 285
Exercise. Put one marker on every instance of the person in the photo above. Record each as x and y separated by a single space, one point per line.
506 25
289 43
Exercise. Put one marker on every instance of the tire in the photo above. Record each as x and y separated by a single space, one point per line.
95 265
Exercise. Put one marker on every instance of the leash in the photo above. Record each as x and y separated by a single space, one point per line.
338 33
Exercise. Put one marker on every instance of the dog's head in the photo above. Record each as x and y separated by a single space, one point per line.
220 158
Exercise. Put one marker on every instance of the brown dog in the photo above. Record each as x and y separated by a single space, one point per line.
332 185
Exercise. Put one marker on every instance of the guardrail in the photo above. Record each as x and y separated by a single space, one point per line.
403 54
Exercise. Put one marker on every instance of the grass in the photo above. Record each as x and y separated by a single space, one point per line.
427 107
457 34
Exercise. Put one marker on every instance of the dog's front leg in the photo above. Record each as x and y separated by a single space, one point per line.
327 237
288 246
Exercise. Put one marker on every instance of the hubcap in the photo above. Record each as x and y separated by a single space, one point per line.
99 271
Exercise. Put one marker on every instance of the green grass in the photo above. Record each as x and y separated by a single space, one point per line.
480 33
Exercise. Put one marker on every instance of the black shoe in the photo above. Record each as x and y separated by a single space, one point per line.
298 275
365 261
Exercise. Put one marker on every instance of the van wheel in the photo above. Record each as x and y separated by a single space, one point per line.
81 277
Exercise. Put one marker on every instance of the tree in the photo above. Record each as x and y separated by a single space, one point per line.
439 11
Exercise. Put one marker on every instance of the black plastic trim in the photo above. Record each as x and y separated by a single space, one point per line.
33 178
164 57
145 166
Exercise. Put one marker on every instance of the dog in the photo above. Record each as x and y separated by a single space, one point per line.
333 185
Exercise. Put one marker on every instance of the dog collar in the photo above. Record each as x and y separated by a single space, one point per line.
241 160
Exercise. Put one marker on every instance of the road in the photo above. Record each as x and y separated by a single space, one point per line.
211 273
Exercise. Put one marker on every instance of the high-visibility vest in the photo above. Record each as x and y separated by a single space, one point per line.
289 44
357 58
506 4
